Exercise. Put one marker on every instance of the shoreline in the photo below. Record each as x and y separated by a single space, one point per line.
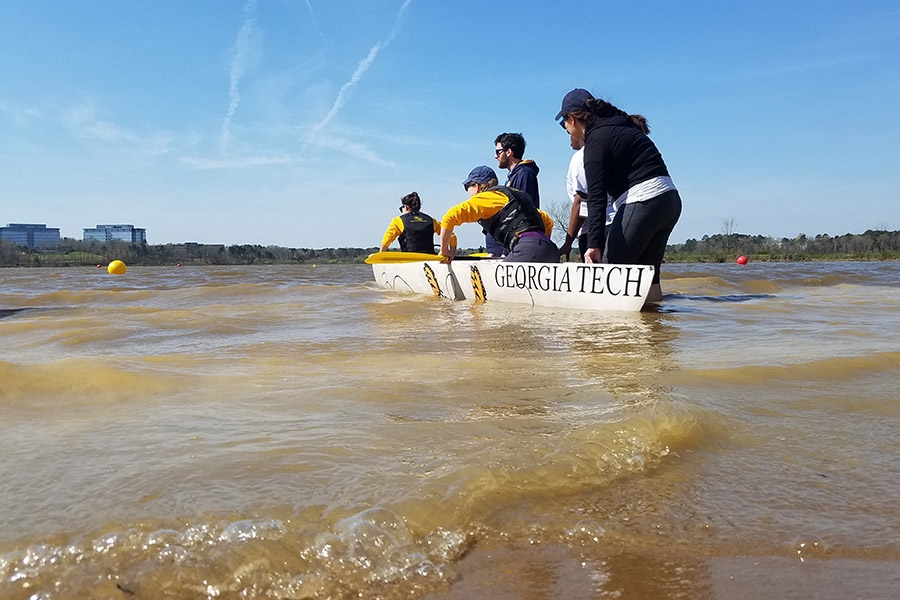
361 260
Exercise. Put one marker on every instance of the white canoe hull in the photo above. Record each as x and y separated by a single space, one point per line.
564 285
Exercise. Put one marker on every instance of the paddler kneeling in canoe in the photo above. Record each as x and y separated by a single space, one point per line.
415 229
507 214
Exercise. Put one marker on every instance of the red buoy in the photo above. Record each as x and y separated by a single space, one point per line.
741 260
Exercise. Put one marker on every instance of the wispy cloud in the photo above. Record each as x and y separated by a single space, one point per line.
354 149
343 133
361 69
82 121
313 16
20 117
243 48
233 163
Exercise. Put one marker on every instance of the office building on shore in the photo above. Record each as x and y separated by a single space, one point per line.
31 235
122 233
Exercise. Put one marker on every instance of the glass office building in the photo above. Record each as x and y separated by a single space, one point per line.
31 235
123 233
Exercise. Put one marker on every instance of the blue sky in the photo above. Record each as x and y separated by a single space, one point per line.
302 122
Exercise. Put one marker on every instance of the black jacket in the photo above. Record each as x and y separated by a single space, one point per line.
617 156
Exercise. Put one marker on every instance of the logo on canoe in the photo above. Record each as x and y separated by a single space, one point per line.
478 285
432 281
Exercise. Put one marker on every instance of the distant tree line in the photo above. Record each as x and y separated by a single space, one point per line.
724 247
871 245
874 244
73 252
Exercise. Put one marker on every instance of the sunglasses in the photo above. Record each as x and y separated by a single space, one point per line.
401 208
563 122
499 151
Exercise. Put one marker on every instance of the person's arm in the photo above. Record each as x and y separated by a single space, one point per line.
575 223
448 249
480 206
595 165
393 232
593 255
437 230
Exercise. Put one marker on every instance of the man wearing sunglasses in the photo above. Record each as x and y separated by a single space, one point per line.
509 148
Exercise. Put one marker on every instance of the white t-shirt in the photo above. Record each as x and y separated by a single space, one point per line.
645 190
577 182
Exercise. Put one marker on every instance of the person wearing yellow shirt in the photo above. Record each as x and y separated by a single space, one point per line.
507 214
415 229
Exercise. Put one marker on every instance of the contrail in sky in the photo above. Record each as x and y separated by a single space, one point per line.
363 66
313 16
311 13
238 68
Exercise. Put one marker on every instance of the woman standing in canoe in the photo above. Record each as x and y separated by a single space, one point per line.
507 214
622 163
415 229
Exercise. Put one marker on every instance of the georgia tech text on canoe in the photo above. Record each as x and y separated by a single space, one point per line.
614 280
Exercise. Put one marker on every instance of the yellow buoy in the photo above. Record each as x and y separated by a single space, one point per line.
116 267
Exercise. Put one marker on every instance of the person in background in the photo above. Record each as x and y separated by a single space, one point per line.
576 190
415 229
509 148
507 214
620 161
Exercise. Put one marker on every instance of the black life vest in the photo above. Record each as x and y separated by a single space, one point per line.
418 233
517 216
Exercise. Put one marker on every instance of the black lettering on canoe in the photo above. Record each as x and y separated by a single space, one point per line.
544 278
597 278
583 269
636 281
609 277
521 277
563 282
501 275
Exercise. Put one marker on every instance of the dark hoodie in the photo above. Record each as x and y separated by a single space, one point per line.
617 156
524 177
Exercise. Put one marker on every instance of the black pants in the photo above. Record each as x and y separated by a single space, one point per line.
640 231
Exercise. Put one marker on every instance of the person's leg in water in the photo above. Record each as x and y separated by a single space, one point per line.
639 234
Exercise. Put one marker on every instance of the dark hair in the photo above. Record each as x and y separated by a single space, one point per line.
512 141
412 201
641 122
486 185
597 108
